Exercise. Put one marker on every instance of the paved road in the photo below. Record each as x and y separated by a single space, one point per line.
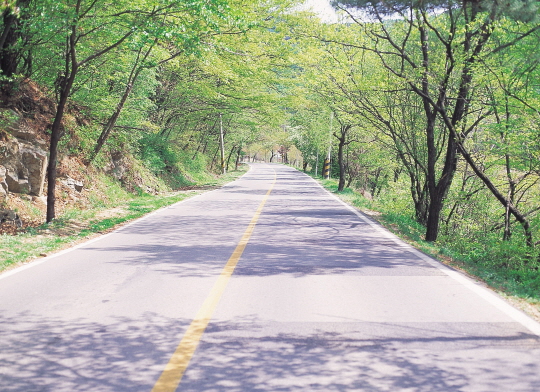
321 300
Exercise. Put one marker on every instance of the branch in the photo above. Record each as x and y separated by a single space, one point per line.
515 41
107 49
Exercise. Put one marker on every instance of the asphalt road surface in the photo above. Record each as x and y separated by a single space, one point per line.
268 284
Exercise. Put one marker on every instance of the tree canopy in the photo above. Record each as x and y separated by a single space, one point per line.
430 107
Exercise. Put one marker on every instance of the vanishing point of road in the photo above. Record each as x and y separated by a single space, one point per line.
267 284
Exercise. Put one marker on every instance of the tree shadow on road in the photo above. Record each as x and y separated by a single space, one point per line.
360 357
45 354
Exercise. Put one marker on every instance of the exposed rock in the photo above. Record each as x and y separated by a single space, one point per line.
70 182
117 166
40 200
10 216
15 183
3 184
35 162
24 163
22 131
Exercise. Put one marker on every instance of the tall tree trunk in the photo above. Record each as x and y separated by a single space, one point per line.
214 158
65 90
111 122
65 85
229 157
133 76
238 155
505 202
438 191
341 163
342 137
9 54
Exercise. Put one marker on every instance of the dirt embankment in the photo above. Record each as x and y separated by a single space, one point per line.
26 115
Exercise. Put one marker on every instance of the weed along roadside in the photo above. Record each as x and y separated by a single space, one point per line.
521 287
79 225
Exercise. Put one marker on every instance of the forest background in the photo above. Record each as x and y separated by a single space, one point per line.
429 110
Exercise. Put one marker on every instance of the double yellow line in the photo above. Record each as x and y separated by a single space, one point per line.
172 375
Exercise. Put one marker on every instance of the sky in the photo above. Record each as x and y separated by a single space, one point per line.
323 9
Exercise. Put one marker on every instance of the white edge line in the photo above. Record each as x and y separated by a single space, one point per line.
33 263
485 293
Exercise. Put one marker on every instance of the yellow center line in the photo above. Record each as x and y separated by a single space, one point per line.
174 370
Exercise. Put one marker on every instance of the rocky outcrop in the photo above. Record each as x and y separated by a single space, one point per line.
23 162
25 133
117 166
10 216
3 183
16 184
74 184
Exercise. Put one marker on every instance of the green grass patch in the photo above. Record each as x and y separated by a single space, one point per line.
27 246
76 225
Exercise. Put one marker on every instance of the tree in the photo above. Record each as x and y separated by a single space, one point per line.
435 48
171 38
83 23
11 35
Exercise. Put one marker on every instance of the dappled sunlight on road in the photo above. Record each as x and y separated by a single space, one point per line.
320 300
49 354
356 356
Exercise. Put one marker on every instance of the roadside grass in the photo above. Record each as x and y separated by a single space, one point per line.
106 214
484 259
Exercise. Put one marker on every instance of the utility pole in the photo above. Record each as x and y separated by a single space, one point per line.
222 145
